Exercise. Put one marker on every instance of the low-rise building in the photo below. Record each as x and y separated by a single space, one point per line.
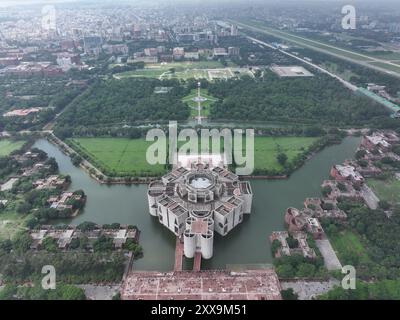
314 227
383 140
65 236
295 220
343 189
219 52
151 52
68 60
52 182
178 53
234 51
65 201
116 49
346 173
21 112
192 56
284 250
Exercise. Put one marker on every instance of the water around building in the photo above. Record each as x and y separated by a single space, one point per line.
247 244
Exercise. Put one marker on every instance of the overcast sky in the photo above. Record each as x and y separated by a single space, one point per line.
6 3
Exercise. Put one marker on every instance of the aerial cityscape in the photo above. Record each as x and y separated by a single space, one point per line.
199 150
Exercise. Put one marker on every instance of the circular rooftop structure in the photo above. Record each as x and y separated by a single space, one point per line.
199 182
200 186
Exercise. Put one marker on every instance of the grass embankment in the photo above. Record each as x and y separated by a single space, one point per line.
266 150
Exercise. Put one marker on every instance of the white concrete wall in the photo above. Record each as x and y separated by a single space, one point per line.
207 246
152 201
189 245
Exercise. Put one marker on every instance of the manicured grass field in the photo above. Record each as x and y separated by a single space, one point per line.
267 148
144 73
348 244
121 155
205 105
128 156
7 146
387 190
183 70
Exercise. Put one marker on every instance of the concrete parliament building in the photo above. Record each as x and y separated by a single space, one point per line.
197 198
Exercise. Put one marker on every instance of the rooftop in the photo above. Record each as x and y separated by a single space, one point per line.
204 285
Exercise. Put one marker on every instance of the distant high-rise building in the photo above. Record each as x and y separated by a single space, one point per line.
151 52
178 53
234 51
67 45
92 44
234 30
219 52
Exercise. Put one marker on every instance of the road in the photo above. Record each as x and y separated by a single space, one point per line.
301 40
342 81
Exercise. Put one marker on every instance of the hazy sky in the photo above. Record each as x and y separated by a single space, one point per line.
7 3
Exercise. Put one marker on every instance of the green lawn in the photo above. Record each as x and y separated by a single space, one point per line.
387 190
11 222
205 105
347 244
144 73
7 146
122 155
128 156
267 148
181 70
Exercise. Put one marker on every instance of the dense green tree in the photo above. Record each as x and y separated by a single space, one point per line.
282 158
289 294
22 242
8 292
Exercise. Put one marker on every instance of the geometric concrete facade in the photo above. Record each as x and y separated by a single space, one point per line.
196 200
